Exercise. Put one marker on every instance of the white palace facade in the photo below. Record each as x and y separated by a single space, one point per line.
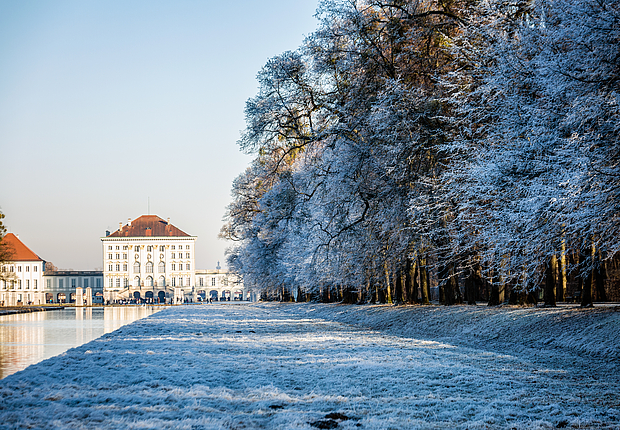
151 259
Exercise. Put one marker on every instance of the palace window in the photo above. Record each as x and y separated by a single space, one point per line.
118 267
72 282
180 281
85 283
174 266
109 256
187 255
161 267
110 248
186 246
189 282
162 281
149 267
125 282
173 255
118 256
19 284
201 282
125 247
49 283
136 267
61 283
213 282
27 284
19 268
109 267
111 282
136 248
162 248
36 284
98 282
136 281
172 246
27 268
124 256
118 282
124 267
36 268
149 248
149 281
187 266
117 247
174 282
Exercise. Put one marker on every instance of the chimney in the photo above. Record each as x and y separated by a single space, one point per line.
129 222
120 226
168 220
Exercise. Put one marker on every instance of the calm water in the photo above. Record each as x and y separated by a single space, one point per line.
26 339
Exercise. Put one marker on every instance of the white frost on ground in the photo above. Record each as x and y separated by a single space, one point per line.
294 367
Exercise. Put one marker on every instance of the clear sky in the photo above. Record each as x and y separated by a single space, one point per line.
105 104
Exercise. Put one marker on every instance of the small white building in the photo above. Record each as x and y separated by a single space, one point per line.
219 286
24 283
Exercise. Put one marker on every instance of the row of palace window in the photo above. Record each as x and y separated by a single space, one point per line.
149 282
161 267
19 268
11 284
85 283
118 256
160 283
149 248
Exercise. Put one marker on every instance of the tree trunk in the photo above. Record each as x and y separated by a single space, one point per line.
550 282
470 287
456 289
398 287
599 277
560 294
408 281
586 291
494 293
423 280
387 284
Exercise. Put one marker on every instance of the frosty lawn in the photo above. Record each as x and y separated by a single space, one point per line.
288 366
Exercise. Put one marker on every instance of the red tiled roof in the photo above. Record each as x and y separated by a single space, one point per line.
148 225
20 251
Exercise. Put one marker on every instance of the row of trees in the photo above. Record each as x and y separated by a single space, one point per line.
465 144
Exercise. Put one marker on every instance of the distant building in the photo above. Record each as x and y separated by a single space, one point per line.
149 258
25 281
219 286
62 286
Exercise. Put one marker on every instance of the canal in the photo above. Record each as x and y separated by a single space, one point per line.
28 338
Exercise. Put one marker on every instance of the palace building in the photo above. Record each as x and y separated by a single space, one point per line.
151 259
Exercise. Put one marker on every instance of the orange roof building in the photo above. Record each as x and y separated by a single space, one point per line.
20 252
148 255
22 280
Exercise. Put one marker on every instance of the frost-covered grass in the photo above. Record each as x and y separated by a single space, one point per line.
295 367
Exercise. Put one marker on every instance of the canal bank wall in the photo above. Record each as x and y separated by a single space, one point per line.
27 309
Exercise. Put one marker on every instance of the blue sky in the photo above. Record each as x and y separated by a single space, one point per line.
107 104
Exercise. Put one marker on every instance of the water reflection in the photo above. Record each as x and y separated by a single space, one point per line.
26 339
